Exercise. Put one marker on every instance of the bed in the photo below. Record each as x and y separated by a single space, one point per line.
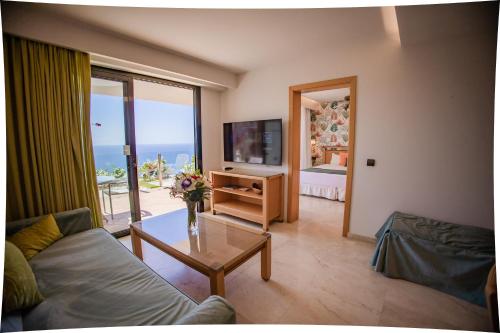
455 259
326 180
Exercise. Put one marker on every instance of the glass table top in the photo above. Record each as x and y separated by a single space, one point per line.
215 244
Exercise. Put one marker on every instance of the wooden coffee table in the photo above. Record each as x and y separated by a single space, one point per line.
215 251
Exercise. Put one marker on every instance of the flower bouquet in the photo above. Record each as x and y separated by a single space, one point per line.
192 187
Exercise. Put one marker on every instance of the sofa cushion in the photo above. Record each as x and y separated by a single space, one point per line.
20 290
214 310
74 221
36 237
90 279
69 222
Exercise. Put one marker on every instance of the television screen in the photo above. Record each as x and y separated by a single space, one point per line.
256 142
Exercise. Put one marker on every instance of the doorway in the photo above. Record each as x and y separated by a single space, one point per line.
144 130
325 150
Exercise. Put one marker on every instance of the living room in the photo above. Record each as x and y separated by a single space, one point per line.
420 111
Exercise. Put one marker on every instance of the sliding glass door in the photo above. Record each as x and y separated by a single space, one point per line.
144 130
108 123
165 142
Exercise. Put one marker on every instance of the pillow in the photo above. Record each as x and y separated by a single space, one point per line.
335 159
36 237
19 284
343 159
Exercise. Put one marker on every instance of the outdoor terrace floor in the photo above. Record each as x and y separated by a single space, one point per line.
153 201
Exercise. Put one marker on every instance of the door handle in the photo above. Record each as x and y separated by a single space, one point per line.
126 150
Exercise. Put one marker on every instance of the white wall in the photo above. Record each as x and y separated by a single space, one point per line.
211 129
424 112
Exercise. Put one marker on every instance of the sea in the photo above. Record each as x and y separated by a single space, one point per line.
110 157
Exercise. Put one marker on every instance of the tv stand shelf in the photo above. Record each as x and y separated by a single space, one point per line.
248 194
260 208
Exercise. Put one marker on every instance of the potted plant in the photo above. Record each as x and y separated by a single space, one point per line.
192 187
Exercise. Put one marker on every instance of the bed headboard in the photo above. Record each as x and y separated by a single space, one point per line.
329 151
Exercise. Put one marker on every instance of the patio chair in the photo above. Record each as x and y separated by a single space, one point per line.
116 186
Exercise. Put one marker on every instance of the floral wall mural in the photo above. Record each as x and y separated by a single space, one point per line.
329 127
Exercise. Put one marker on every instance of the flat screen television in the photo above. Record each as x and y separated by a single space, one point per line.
255 142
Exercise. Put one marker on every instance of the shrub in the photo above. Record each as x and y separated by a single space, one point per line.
119 172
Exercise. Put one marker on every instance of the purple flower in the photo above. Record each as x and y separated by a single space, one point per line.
186 183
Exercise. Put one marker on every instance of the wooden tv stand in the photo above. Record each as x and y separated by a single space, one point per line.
260 208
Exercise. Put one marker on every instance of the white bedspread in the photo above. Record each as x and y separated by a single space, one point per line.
324 185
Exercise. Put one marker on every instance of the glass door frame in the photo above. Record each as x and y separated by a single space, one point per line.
127 78
128 107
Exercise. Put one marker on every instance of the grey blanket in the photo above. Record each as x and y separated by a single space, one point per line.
452 258
330 171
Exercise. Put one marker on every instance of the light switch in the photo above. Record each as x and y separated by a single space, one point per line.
370 162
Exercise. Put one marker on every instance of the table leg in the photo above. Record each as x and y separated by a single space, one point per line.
110 202
265 260
103 201
136 244
217 283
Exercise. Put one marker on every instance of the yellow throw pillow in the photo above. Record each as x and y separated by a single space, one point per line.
20 290
36 237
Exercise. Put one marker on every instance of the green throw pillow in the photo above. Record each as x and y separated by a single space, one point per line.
19 284
36 237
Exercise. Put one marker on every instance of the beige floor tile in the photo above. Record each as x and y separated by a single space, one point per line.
411 305
319 277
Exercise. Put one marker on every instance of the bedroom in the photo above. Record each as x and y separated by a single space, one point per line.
324 150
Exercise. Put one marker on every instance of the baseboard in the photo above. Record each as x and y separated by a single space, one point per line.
361 238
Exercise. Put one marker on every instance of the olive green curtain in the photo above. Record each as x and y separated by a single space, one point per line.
50 162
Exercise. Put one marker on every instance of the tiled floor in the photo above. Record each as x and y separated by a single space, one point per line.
319 277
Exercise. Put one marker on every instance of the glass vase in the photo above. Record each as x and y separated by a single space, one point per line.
192 217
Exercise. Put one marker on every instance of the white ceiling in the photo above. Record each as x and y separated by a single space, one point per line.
238 40
241 40
327 95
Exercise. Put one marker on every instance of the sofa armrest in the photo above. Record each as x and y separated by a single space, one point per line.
74 221
213 310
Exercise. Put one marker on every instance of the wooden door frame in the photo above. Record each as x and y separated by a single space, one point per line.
295 93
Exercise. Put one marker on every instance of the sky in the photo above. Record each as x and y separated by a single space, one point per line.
155 122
